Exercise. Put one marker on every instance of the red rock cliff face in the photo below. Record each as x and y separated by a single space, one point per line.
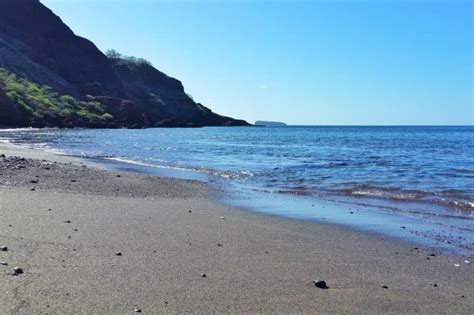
36 45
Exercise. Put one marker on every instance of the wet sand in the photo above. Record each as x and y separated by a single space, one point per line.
101 242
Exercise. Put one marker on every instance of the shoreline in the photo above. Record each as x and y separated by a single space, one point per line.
170 233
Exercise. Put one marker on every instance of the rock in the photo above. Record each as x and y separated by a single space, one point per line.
3 248
385 287
219 244
435 285
137 310
67 221
203 275
118 254
223 218
320 284
43 50
3 263
18 271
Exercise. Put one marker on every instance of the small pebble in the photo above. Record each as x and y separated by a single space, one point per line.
3 263
385 287
3 248
203 275
190 211
67 221
467 262
137 310
456 265
435 285
223 218
320 284
219 244
118 254
17 271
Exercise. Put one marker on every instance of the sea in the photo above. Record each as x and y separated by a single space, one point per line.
414 183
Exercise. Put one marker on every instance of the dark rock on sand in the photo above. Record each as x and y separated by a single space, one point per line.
18 271
3 248
320 284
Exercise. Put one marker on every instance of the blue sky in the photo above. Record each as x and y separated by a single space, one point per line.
301 62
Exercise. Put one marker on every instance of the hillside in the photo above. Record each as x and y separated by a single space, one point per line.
49 77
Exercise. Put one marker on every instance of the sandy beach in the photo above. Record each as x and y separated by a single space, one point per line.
94 241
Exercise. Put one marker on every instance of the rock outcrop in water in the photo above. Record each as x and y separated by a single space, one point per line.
52 78
270 123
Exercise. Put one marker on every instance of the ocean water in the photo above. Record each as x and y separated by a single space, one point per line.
422 177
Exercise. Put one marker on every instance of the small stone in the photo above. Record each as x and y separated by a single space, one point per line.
17 271
118 254
435 285
433 255
190 211
67 221
320 284
385 287
3 263
3 248
203 275
467 261
119 175
34 181
219 244
223 218
456 265
137 310
73 180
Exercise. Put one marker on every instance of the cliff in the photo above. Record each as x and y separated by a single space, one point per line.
51 77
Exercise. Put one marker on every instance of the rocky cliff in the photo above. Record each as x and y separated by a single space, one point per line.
52 77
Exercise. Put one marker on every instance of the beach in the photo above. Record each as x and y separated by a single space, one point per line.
94 241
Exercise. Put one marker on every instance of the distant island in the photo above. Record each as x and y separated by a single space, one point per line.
50 77
270 123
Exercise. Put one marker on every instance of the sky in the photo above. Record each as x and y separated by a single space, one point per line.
320 62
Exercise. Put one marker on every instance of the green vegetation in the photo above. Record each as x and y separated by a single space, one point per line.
113 54
41 106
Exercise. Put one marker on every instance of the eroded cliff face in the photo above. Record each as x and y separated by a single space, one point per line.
37 46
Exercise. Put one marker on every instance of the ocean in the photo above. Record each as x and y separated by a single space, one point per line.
412 182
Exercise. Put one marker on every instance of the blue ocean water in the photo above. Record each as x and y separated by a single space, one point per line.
409 172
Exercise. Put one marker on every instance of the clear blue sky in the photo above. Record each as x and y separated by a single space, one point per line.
302 62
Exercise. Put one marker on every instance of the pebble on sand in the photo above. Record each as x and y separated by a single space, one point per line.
385 287
203 275
3 248
137 310
118 254
17 271
3 263
320 284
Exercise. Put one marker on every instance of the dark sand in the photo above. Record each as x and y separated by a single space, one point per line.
66 234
